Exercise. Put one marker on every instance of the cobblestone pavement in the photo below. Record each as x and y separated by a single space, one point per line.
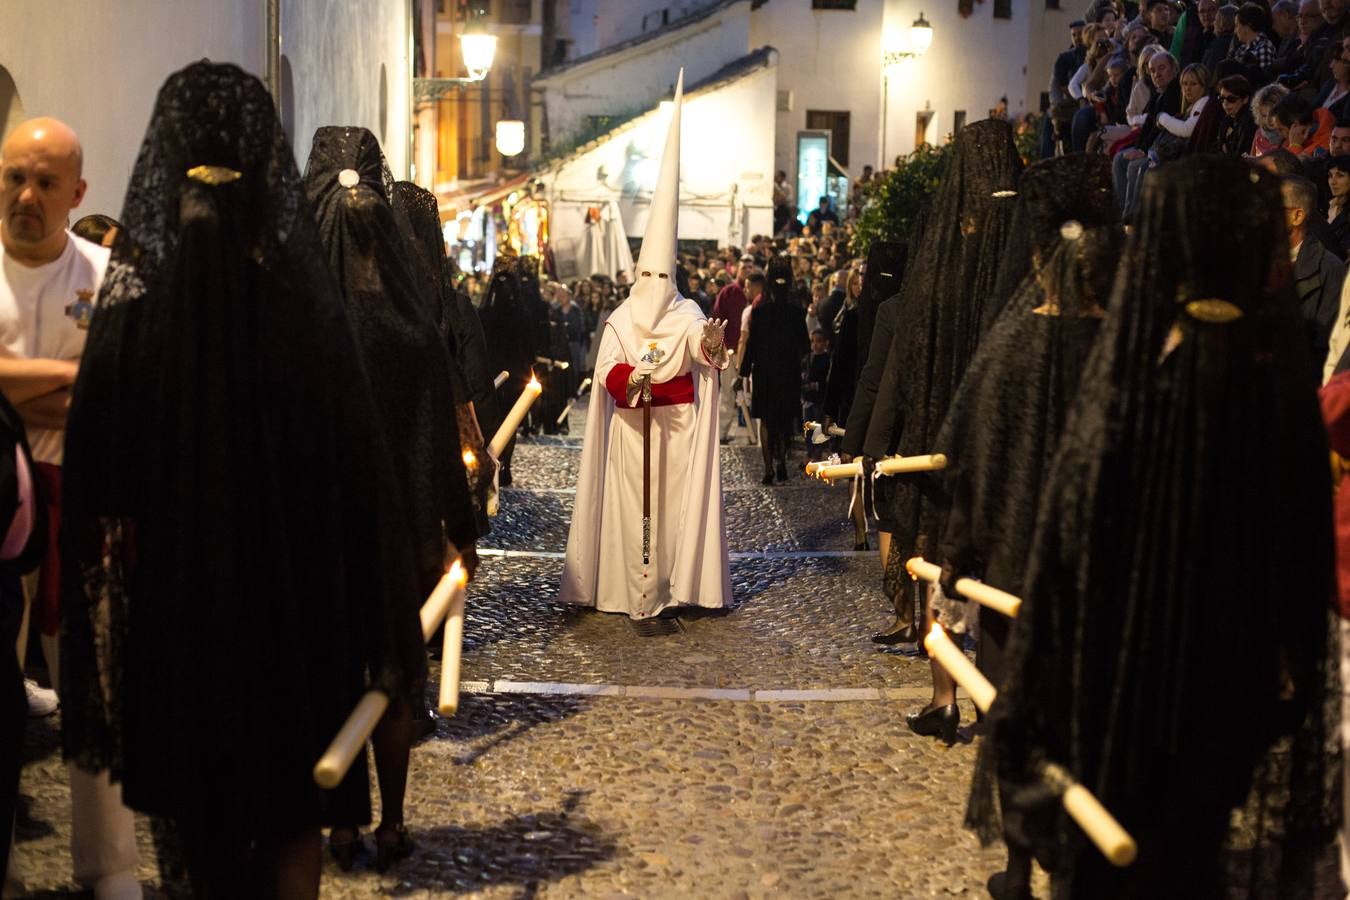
587 761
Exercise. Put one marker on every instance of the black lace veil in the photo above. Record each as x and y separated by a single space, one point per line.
392 314
942 307
233 562
1172 649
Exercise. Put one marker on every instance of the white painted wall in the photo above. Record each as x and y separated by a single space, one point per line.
101 69
640 77
1049 38
336 49
830 61
726 186
597 24
971 63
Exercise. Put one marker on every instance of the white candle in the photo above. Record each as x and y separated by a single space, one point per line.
515 417
450 655
442 596
351 739
898 465
962 670
501 378
1099 825
981 593
842 470
835 430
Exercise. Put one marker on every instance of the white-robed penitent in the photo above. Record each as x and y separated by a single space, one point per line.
659 331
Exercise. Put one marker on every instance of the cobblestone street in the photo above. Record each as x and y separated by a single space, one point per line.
759 752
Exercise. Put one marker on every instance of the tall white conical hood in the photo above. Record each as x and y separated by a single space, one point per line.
654 282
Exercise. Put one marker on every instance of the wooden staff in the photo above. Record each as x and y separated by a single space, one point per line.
351 739
646 469
981 593
501 378
1097 823
513 418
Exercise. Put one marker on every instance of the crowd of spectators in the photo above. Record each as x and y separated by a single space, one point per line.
1151 83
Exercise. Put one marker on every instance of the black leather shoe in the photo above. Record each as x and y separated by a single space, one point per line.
941 721
899 633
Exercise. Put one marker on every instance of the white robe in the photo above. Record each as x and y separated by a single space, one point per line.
689 563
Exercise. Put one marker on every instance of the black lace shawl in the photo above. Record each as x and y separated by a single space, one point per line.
233 555
940 314
1051 192
507 329
420 221
1172 649
391 315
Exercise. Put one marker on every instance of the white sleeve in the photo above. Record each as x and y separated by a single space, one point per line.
1339 333
1182 128
1076 82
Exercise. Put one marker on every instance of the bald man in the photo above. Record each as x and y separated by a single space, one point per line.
48 281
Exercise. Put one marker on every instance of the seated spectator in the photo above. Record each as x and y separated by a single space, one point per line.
1130 165
1305 130
1225 21
1338 215
1318 272
1267 136
1251 47
1335 93
1238 127
1178 129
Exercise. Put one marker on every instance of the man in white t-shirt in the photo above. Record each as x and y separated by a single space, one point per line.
48 280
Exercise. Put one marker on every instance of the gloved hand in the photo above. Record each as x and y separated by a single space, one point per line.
640 371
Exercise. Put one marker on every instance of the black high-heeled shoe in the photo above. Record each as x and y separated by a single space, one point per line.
767 480
781 473
343 844
860 546
941 721
898 633
392 844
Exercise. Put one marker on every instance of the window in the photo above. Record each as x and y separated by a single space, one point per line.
921 121
835 4
958 120
1002 9
513 12
836 123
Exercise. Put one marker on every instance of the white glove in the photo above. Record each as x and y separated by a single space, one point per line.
640 371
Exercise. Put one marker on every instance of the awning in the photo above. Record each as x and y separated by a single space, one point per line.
451 202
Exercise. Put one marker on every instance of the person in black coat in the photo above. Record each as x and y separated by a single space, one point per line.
1338 181
772 360
1318 273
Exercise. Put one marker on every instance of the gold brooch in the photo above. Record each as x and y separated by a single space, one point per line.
1213 311
213 175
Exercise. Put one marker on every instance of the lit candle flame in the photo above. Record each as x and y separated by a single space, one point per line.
458 573
534 385
469 459
935 631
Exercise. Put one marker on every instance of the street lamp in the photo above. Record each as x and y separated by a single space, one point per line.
478 48
911 45
510 137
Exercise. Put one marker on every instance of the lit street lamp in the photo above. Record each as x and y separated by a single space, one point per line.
477 48
510 137
909 46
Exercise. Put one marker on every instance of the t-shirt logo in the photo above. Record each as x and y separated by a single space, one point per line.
82 310
654 354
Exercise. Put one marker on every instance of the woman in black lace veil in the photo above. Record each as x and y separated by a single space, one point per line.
1051 192
1172 649
390 310
948 281
1002 431
234 564
420 221
510 342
